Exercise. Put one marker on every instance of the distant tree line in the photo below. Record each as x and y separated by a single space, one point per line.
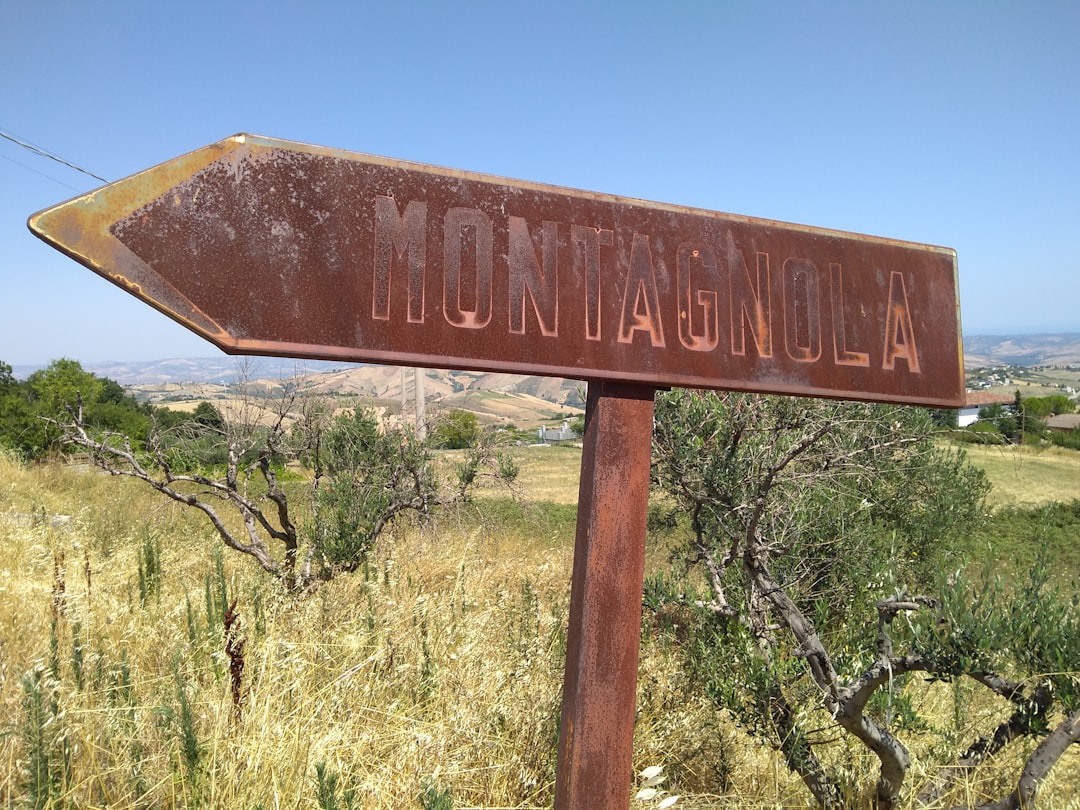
1024 421
29 408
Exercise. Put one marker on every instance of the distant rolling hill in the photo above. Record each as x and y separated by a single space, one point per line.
1022 350
385 381
495 398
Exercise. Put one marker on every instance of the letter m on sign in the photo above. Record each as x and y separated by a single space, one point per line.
397 236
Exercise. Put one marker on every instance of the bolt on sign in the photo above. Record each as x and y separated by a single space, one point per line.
269 247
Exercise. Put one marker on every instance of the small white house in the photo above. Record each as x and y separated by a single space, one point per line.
562 434
975 400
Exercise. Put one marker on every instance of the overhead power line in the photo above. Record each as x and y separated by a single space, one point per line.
44 153
30 168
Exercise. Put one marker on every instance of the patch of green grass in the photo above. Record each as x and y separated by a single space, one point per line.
526 525
1015 535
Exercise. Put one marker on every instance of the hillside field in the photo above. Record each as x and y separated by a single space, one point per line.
434 676
1027 476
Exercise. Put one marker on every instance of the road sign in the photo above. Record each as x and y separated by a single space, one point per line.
271 247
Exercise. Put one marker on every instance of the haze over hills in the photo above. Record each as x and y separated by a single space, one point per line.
1022 350
497 399
385 381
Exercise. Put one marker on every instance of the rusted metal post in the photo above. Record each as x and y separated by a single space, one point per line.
595 766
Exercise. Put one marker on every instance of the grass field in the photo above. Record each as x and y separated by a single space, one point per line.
430 681
1019 475
1027 476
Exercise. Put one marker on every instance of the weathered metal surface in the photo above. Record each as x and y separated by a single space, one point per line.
599 689
270 247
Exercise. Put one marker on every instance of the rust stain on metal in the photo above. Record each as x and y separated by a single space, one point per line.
603 638
271 247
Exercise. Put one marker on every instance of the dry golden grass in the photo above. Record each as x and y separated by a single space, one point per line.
549 472
441 666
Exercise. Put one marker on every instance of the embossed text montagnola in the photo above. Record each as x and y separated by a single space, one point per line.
279 248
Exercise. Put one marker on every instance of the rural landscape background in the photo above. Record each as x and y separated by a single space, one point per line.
144 665
254 585
176 380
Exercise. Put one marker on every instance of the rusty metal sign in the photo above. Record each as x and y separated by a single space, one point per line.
271 247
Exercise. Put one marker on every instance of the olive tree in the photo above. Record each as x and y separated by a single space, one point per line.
457 429
367 474
364 476
813 526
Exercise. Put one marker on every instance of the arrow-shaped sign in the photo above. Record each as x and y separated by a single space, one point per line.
268 247
271 247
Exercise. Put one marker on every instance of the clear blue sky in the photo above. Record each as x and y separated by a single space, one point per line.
948 123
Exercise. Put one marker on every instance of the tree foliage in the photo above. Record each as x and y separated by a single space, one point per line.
1042 407
30 410
1025 420
814 525
7 379
1069 439
366 476
457 429
1001 420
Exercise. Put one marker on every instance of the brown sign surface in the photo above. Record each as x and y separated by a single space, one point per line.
270 247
